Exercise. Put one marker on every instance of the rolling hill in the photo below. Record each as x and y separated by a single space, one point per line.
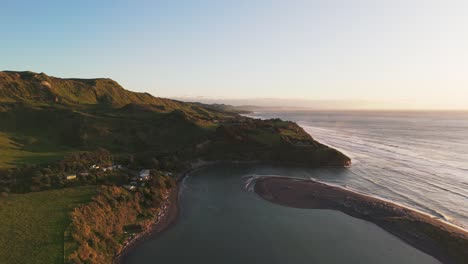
43 117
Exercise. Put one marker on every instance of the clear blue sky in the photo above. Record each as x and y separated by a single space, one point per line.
410 54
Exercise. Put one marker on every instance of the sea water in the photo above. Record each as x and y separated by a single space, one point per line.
418 159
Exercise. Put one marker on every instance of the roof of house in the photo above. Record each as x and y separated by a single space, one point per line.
144 173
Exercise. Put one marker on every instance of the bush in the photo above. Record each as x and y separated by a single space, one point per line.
98 227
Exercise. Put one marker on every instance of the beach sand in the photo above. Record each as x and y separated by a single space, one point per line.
447 243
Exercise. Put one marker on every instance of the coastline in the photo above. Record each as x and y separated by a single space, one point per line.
368 206
156 227
443 241
167 220
171 216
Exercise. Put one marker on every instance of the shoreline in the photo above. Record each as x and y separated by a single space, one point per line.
174 208
165 222
167 219
432 216
443 241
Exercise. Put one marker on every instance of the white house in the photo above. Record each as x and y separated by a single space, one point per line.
130 187
165 173
144 175
113 167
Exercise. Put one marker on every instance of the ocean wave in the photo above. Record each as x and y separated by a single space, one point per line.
415 159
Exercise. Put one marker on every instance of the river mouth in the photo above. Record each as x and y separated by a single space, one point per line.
221 221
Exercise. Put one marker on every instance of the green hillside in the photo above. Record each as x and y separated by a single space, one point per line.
42 118
32 225
52 127
30 86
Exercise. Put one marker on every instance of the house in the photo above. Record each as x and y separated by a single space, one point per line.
144 175
94 167
111 168
130 187
70 177
165 173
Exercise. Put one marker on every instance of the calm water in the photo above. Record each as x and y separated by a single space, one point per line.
222 222
419 159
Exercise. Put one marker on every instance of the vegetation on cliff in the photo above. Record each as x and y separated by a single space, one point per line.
99 228
36 125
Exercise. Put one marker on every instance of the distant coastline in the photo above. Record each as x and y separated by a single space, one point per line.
443 241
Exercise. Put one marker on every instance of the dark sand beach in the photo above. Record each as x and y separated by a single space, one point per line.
164 222
447 243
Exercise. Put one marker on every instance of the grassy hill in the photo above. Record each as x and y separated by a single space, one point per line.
32 225
39 87
44 117
50 126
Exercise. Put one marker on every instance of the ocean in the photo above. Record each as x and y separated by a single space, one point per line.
417 159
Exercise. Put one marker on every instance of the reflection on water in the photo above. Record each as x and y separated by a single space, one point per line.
222 222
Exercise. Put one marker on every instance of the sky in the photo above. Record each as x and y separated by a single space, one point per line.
410 54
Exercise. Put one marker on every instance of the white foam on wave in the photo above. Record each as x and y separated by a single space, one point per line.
440 216
418 160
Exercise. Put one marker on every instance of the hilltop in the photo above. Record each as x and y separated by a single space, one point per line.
43 118
39 87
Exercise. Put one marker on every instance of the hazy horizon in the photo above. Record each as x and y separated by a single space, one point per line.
364 54
304 104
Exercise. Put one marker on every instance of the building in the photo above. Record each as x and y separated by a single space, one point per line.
165 173
113 167
70 176
144 175
130 187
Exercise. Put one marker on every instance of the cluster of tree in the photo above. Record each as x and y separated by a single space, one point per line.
36 178
155 161
97 229
81 161
33 179
25 178
241 129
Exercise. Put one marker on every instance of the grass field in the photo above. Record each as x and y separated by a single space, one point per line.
32 225
13 153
